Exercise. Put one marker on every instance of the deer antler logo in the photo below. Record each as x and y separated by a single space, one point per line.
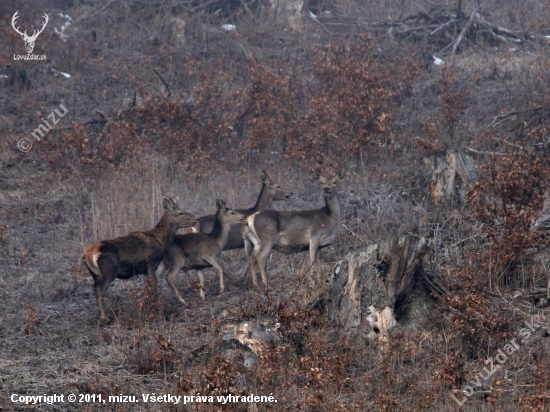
29 40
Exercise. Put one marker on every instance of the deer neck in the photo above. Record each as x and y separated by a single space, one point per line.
164 231
220 232
264 201
332 208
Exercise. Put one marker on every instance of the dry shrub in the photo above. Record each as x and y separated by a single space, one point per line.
147 303
331 104
217 378
148 358
452 104
164 356
507 199
311 368
505 202
536 399
30 319
477 322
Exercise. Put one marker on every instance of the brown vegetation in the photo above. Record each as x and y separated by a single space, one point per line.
164 92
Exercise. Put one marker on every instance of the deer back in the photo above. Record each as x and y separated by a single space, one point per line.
291 231
269 193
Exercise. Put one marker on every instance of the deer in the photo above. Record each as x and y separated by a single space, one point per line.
199 251
269 193
29 40
137 253
293 231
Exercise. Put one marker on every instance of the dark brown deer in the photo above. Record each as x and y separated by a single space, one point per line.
137 253
270 192
199 250
293 231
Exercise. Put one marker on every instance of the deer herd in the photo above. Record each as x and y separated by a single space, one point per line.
160 252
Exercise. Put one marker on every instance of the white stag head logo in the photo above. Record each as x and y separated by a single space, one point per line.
29 40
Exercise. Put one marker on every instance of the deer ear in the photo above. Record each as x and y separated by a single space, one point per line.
220 204
265 177
341 173
168 204
316 175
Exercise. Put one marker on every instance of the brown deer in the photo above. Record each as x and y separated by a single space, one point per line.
293 231
270 192
134 254
199 250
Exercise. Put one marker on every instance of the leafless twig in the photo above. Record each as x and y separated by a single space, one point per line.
482 152
163 81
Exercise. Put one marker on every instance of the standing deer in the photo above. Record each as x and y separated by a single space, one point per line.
134 254
270 192
293 231
199 250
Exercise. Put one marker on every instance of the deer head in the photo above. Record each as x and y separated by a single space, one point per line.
329 185
29 40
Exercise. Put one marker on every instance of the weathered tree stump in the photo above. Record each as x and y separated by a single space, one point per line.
288 13
373 287
452 173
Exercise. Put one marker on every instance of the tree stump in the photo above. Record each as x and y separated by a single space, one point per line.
452 173
288 13
373 287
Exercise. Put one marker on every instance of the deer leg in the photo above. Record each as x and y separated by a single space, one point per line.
201 279
174 266
261 258
253 270
215 264
108 269
153 277
313 250
100 288
253 239
228 274
99 291
187 280
261 264
250 258
162 268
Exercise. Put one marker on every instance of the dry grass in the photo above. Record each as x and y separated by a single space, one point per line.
50 341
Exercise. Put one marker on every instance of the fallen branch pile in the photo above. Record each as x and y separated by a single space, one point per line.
441 29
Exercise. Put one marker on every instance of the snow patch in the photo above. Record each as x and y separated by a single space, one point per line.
438 61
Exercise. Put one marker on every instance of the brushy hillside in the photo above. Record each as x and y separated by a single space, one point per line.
162 99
